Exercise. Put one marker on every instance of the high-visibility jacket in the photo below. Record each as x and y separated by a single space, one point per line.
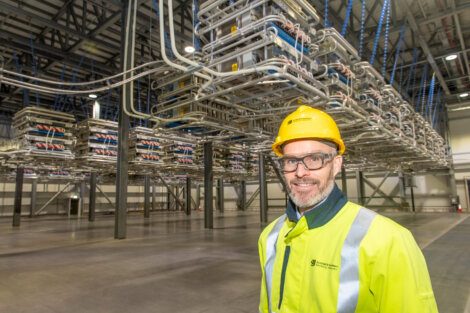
340 257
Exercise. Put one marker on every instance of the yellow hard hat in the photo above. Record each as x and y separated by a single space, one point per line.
308 123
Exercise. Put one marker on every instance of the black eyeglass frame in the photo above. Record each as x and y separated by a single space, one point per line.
324 157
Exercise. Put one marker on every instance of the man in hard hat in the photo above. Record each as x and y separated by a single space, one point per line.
327 254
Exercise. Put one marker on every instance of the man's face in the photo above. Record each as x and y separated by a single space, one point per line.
308 187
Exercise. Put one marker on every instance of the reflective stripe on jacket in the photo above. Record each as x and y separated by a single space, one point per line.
340 257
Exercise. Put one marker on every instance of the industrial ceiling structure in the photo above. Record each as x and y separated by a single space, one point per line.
371 64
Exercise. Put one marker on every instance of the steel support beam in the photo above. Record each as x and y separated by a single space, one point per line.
208 184
344 181
53 198
360 187
127 62
154 197
263 189
220 194
81 200
34 189
188 195
92 198
383 194
424 45
242 196
402 189
18 196
377 188
146 196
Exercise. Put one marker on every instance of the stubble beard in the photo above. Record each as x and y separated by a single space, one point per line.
303 201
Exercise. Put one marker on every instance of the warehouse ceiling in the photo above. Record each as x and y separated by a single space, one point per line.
76 41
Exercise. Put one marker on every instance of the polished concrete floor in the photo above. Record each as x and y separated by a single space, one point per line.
170 263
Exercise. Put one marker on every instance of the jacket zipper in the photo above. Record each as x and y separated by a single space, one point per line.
283 274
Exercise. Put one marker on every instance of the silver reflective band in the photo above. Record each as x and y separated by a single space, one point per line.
271 256
348 291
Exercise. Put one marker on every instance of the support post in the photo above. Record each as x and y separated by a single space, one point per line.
344 181
412 194
263 190
127 50
146 196
208 184
188 195
402 188
154 197
18 196
220 194
242 196
34 189
360 187
81 202
198 197
92 198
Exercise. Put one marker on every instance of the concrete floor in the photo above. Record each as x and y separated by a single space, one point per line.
169 263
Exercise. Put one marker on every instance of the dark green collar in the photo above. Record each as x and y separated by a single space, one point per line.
323 212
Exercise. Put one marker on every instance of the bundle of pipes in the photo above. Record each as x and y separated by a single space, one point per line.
42 133
145 147
97 142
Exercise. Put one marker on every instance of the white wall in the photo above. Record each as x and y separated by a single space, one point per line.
459 128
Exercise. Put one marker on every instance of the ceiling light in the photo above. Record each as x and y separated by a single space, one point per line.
463 95
189 49
460 109
451 57
92 96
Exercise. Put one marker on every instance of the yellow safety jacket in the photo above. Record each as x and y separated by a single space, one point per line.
340 257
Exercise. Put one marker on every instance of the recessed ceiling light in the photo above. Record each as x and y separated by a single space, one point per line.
189 49
92 96
463 95
451 57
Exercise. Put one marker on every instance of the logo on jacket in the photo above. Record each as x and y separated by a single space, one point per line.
324 265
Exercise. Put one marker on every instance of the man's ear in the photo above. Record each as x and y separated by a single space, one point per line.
337 163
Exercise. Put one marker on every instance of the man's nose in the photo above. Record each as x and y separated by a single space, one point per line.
301 170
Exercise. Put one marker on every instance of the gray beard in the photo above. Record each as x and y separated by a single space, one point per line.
307 204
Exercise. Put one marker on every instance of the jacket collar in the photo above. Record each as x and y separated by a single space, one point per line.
323 212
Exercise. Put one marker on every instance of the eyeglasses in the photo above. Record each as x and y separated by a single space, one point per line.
313 161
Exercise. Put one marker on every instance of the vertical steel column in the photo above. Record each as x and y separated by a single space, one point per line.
344 181
220 194
360 187
18 196
188 195
34 189
146 196
453 188
412 194
242 196
402 187
127 51
263 190
198 197
82 199
208 184
92 198
154 197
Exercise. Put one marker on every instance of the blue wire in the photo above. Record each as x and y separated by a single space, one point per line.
34 65
397 53
423 97
361 34
326 23
378 32
421 89
197 41
387 30
430 96
346 18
